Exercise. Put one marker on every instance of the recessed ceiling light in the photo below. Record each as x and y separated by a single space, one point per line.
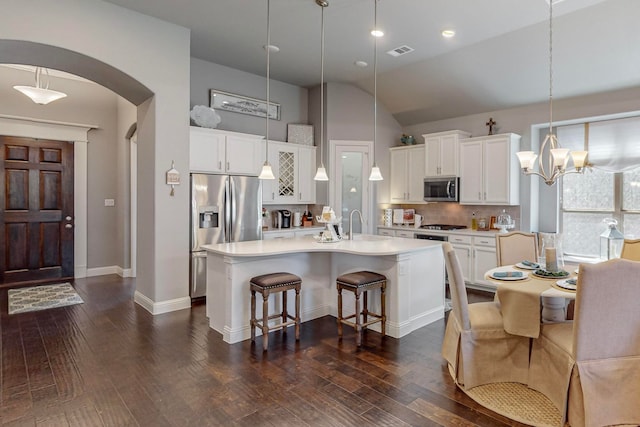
448 33
377 33
361 64
272 48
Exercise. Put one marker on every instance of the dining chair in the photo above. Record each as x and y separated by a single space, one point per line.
590 368
516 246
631 249
476 347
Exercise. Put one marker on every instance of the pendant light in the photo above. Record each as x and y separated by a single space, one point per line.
321 174
40 93
375 170
267 172
557 157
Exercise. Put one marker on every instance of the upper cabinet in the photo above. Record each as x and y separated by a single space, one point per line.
294 167
219 151
441 152
489 170
407 173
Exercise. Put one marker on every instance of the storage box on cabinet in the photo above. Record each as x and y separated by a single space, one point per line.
407 174
489 170
218 151
441 152
293 166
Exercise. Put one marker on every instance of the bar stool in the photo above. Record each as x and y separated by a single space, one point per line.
266 285
358 282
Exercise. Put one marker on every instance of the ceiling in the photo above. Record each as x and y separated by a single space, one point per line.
498 58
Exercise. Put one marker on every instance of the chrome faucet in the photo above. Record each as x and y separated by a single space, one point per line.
351 222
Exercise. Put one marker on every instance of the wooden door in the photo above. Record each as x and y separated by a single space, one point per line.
36 210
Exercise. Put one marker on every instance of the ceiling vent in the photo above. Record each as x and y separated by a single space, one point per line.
401 50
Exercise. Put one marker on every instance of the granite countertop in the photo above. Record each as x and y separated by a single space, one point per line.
363 244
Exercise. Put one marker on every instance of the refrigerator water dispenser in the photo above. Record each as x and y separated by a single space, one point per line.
208 217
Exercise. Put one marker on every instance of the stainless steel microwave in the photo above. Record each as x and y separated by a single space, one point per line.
441 189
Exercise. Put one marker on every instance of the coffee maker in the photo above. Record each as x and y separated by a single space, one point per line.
282 218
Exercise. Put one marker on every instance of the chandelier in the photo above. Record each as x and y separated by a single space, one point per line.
557 157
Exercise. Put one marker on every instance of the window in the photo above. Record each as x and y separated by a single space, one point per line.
611 189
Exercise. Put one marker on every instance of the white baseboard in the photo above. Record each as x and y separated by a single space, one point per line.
125 272
80 271
101 271
162 306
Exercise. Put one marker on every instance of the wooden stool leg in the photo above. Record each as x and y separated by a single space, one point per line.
365 307
358 320
383 307
284 310
253 315
339 312
297 314
265 321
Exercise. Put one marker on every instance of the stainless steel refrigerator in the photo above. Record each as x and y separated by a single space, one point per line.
224 208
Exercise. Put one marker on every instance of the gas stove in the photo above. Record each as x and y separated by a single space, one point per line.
443 227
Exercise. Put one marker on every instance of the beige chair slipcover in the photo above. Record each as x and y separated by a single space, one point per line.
476 346
517 246
590 369
631 249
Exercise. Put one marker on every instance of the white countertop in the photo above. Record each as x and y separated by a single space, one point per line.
364 244
464 231
285 230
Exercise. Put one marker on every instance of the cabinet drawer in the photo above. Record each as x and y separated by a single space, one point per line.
406 234
385 232
484 241
464 240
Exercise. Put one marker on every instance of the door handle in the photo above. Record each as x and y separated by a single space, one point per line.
219 164
68 226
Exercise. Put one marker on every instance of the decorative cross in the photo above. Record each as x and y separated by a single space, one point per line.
491 123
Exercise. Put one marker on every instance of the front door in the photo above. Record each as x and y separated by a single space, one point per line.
36 210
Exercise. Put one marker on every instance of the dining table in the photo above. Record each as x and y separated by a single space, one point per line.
528 299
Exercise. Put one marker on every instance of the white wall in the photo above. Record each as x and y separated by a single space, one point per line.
292 99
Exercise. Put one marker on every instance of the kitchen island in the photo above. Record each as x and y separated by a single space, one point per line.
414 271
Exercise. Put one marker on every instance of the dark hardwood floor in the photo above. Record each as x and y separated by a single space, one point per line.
108 362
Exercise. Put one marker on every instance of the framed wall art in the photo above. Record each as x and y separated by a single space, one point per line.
242 104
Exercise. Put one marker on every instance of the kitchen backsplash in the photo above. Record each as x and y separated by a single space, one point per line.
453 213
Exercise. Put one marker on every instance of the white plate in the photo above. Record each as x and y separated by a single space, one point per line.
563 284
524 276
526 267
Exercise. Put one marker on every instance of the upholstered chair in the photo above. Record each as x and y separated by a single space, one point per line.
631 249
476 347
590 368
517 246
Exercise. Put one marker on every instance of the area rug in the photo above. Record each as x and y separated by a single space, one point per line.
23 300
518 402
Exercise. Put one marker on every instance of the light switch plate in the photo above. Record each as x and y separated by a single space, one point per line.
109 202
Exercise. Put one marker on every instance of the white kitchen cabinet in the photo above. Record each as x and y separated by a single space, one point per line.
484 259
385 232
218 151
441 152
489 170
463 248
407 173
293 166
407 234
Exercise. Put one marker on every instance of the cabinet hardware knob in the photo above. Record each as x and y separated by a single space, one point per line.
219 164
68 218
228 167
68 226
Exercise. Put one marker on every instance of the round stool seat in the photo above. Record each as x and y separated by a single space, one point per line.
360 279
274 280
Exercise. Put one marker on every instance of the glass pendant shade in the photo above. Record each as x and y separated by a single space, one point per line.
375 174
40 93
321 174
266 172
579 159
